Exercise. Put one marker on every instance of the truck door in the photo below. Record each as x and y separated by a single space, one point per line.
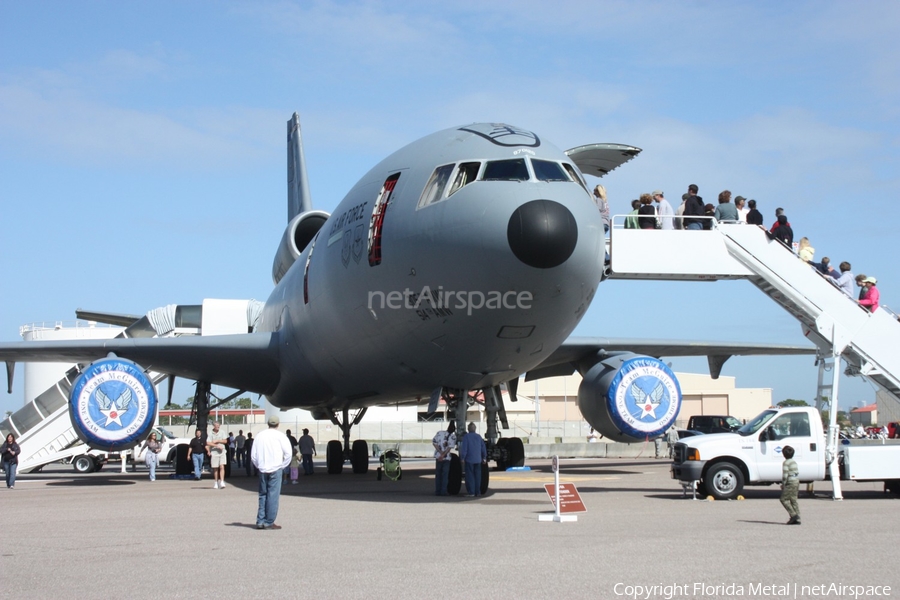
789 429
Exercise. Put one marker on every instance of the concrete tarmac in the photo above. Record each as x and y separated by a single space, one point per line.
114 535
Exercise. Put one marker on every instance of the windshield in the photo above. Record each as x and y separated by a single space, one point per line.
506 170
732 423
756 423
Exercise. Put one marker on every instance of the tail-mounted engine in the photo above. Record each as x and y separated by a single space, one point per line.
630 398
299 233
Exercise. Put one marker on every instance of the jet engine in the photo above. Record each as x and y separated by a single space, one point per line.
629 398
112 404
299 233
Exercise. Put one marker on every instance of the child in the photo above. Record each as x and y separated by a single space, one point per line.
295 465
790 483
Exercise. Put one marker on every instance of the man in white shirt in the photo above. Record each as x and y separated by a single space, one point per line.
742 210
271 453
665 212
443 442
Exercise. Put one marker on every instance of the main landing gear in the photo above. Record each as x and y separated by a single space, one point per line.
357 454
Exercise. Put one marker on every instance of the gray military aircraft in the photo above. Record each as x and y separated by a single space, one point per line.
454 266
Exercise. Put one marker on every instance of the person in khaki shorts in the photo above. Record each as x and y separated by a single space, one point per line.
217 444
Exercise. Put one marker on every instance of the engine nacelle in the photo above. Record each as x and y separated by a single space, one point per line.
112 405
629 397
298 234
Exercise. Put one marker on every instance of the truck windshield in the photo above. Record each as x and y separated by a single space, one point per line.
757 422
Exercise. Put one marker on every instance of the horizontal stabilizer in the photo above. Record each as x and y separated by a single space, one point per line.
105 317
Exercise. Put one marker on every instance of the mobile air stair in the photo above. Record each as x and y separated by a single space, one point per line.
834 322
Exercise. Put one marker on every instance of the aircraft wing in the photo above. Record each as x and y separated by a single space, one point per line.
600 159
563 361
246 361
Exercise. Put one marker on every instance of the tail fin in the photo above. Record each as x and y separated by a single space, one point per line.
299 199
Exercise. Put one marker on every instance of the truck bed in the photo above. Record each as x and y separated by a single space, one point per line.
870 460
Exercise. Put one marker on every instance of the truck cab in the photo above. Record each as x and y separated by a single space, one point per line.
713 423
723 463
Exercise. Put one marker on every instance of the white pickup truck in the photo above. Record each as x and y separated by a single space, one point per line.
723 463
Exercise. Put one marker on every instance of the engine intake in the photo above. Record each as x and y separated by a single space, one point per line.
298 234
629 397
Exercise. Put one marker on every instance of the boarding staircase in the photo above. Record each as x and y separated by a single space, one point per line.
834 322
43 427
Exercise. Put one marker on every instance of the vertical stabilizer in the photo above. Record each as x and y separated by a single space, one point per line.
298 184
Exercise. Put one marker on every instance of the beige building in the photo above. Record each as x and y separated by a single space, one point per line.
701 395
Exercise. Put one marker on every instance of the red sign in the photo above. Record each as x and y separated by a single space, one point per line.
570 499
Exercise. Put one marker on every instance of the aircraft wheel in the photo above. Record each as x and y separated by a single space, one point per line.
485 479
516 450
454 481
334 457
502 444
359 457
724 481
84 464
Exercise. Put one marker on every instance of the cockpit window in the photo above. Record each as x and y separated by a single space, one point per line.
546 170
465 174
434 189
574 175
506 170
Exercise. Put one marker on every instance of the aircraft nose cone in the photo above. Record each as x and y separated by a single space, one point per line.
542 233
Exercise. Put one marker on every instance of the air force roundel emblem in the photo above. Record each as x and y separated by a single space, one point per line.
504 135
644 397
112 405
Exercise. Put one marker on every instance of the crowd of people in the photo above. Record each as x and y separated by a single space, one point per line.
653 211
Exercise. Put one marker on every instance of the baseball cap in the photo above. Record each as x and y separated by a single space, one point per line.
658 193
274 421
871 280
740 198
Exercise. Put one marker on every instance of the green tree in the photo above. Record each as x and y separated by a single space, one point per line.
792 402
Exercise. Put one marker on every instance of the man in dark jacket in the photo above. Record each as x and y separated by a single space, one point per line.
693 208
783 232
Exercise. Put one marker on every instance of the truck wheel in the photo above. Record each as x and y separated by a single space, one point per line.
724 481
84 464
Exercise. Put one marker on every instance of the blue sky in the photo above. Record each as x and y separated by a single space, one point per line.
142 145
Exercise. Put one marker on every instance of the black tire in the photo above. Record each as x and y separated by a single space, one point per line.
516 453
724 481
173 454
399 474
334 457
485 479
454 481
378 474
359 457
84 464
98 465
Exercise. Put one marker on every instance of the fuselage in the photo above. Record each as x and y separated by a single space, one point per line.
461 260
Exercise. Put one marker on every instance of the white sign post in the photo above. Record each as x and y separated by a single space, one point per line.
557 500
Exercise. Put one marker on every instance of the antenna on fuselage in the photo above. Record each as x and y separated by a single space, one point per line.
299 200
